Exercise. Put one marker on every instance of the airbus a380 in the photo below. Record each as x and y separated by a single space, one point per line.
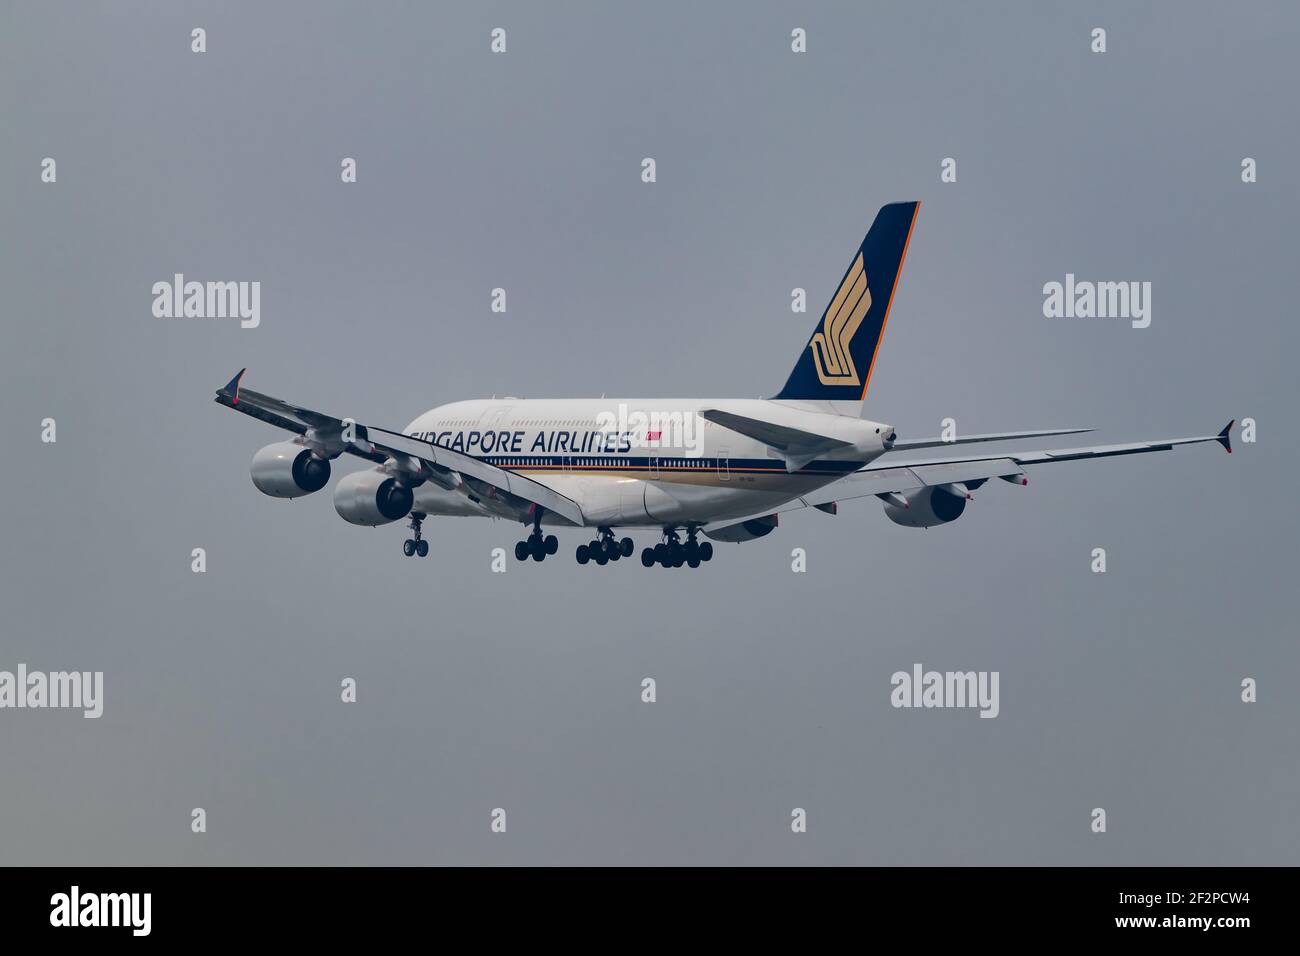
725 468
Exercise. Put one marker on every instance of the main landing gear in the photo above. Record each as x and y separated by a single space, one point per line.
606 549
416 545
672 553
537 547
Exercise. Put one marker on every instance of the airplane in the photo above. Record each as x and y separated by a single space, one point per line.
725 468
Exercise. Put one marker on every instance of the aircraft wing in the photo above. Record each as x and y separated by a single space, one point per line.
378 445
912 443
885 478
1069 454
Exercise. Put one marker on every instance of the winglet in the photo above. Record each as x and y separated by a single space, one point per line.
232 387
1225 436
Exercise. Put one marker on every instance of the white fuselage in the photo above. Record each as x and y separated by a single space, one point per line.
640 462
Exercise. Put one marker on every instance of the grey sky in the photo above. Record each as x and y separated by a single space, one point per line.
480 690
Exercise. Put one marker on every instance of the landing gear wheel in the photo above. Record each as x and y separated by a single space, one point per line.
582 554
706 551
606 547
648 558
537 546
416 544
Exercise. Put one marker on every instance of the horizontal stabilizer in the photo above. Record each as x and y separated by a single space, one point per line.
797 446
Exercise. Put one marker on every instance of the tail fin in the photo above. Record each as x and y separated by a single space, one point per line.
837 362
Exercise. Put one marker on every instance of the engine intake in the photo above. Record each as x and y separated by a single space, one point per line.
286 470
372 498
926 508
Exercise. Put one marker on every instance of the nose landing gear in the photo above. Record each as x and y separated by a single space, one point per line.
415 545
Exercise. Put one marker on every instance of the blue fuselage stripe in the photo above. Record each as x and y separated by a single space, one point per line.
665 464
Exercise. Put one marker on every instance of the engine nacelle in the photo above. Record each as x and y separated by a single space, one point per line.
926 508
746 530
372 498
286 470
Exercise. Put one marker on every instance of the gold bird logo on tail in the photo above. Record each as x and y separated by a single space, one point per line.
830 346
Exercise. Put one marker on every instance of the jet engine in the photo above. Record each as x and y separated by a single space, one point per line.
286 470
926 507
745 530
372 498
